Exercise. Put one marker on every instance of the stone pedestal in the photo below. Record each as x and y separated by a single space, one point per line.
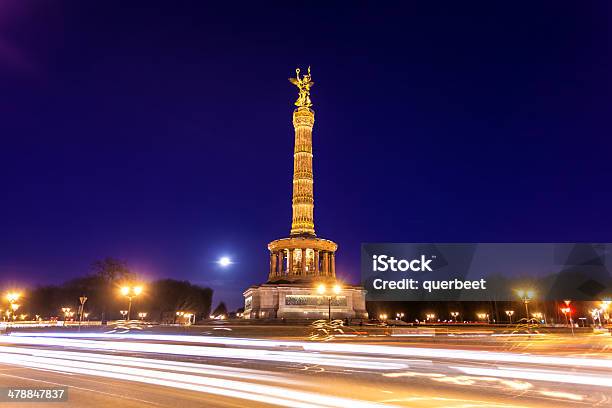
296 301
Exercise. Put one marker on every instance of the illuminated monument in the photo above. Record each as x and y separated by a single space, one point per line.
302 265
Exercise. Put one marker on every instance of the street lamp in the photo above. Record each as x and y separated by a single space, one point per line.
430 316
66 311
454 314
566 311
124 313
605 304
510 313
595 316
400 316
14 308
130 292
483 316
190 315
142 315
336 290
526 296
12 298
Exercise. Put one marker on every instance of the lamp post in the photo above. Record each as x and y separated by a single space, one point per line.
124 313
595 316
538 315
483 316
142 315
430 316
82 300
510 313
130 292
605 304
454 315
322 290
189 316
12 298
400 316
66 311
526 296
14 308
567 311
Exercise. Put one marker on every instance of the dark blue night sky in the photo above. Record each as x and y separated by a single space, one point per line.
160 132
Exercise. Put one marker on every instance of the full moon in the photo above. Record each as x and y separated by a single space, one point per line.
224 261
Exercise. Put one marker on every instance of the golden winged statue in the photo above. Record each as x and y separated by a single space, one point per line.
304 84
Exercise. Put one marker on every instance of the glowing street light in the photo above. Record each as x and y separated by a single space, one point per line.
124 313
13 297
335 291
400 315
382 316
538 315
142 315
130 292
567 311
430 316
190 315
510 313
595 314
605 305
66 312
454 314
14 308
526 296
483 316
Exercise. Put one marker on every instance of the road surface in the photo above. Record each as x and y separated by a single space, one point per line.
148 369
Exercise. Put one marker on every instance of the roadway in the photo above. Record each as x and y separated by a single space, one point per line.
169 370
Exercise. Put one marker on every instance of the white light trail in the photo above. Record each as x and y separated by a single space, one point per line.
526 374
354 362
179 366
228 388
344 348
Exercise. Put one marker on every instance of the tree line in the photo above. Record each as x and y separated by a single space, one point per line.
160 299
